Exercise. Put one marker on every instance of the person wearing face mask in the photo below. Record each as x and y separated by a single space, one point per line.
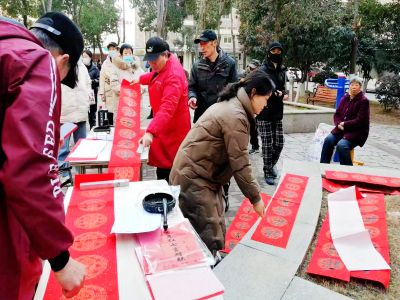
214 150
351 125
94 74
108 91
269 121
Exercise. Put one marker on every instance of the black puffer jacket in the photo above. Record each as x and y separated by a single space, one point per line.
207 79
274 110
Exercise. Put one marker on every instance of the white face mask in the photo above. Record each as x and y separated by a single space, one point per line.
86 61
112 53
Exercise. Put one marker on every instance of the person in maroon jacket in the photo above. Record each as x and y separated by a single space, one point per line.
168 91
31 201
351 125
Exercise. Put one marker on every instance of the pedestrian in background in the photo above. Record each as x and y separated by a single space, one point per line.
269 121
94 74
351 125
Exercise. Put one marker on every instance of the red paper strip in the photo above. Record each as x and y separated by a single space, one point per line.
325 260
333 186
276 226
241 224
125 161
357 177
90 217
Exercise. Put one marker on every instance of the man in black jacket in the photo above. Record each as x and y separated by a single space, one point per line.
269 121
210 74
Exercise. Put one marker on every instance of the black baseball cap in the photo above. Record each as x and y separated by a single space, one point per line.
68 36
205 36
275 45
154 47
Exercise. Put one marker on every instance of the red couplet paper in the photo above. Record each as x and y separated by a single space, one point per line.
276 226
363 178
90 217
244 219
125 161
333 186
325 260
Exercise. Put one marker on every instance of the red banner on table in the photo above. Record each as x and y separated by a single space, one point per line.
325 260
334 186
276 226
90 217
125 161
244 219
392 182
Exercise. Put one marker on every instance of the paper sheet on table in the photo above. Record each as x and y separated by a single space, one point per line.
130 216
88 149
350 238
356 250
194 283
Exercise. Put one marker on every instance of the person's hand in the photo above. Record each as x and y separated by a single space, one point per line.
259 207
146 139
135 81
192 103
285 97
71 277
278 93
341 126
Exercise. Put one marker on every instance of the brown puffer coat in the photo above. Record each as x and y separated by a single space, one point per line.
214 150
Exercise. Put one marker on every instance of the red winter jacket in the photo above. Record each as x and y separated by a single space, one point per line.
168 92
31 201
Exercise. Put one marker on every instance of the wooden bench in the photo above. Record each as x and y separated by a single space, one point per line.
322 94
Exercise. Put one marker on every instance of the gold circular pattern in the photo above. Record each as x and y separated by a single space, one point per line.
90 221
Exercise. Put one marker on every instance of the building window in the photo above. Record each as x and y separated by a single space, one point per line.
227 40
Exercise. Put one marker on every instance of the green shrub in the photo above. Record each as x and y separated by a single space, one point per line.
388 91
321 76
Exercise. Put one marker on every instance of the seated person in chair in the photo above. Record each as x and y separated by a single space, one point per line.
351 125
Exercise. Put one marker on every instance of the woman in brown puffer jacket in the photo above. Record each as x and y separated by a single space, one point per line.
214 150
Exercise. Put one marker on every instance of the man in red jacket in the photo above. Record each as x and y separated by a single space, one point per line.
168 90
31 201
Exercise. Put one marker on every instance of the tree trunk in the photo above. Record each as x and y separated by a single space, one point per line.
123 21
49 5
162 6
99 46
233 40
354 41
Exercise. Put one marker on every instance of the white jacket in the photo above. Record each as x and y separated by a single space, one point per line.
75 102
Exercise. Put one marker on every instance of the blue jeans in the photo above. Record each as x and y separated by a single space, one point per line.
343 148
79 133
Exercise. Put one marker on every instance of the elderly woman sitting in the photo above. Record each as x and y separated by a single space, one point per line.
351 125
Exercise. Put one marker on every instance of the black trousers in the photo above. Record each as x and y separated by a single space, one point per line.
254 134
163 174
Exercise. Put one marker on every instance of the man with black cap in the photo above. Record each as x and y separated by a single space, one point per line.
32 214
269 121
209 75
168 91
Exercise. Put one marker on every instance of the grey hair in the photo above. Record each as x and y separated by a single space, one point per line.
355 78
47 41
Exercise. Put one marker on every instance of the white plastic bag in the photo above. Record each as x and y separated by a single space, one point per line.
314 150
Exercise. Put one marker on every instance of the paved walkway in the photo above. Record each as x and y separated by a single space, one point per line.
382 150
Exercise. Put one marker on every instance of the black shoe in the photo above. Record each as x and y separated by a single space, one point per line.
254 150
274 173
270 180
